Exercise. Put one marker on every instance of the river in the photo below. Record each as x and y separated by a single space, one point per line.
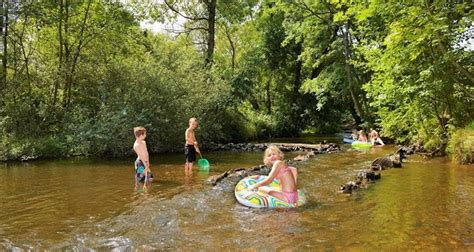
82 204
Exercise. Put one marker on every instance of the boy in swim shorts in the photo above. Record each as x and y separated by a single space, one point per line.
191 146
142 164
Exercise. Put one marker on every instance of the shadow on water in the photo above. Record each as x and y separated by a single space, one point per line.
78 205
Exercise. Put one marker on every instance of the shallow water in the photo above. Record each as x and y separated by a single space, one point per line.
82 204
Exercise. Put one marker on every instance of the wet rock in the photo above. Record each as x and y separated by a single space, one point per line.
300 158
349 187
364 177
235 175
383 163
227 180
28 158
285 147
392 161
412 149
367 176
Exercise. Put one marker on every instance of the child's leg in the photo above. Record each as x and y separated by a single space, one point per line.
265 190
272 192
290 197
278 195
150 177
136 181
188 167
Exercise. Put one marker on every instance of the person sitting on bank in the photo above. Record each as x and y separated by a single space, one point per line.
354 135
375 138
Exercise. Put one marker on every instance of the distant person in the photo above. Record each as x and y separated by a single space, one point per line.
354 135
191 146
142 164
362 136
280 170
375 138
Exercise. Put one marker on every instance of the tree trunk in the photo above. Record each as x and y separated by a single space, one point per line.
25 55
297 80
67 52
211 30
76 55
60 54
269 97
232 46
349 75
5 36
354 114
296 96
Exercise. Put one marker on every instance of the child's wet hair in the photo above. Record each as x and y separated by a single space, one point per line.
273 149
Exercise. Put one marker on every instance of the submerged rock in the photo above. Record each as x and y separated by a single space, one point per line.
235 175
227 180
365 177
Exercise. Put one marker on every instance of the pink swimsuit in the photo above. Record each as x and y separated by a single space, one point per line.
291 197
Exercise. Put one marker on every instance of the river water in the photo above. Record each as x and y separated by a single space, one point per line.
82 204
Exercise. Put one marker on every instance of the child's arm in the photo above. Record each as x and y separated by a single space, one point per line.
197 148
275 168
147 158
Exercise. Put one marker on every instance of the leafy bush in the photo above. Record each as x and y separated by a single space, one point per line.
461 145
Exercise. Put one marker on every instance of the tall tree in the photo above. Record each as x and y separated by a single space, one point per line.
4 27
200 18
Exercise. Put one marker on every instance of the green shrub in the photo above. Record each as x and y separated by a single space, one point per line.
461 145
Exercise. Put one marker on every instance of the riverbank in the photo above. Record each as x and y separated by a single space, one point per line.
210 147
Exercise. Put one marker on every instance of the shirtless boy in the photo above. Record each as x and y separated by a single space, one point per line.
191 146
142 164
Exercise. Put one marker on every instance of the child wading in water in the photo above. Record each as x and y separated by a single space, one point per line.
362 136
142 164
191 146
280 170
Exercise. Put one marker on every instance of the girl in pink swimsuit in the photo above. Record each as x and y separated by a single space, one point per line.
280 170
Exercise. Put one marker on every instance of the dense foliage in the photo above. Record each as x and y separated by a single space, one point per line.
461 145
81 74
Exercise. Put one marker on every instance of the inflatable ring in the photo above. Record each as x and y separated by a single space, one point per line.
358 144
262 200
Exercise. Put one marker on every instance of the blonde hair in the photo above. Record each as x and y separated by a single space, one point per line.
272 149
192 119
138 131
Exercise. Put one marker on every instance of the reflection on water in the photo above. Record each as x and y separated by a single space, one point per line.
82 204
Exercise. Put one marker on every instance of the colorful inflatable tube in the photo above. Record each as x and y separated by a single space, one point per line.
262 200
